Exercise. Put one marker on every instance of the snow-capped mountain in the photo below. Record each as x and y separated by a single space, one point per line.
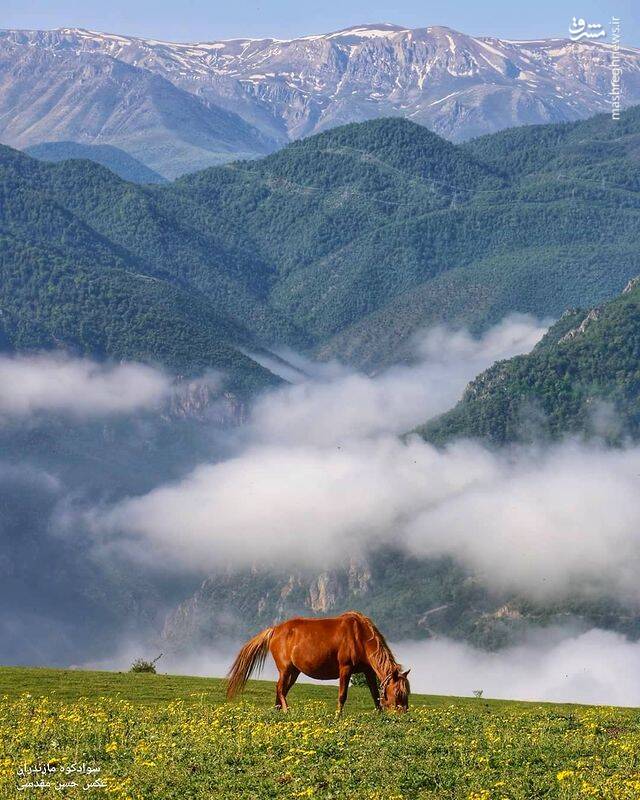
457 85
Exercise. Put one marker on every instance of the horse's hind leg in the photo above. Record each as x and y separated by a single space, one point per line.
290 678
286 679
345 677
279 685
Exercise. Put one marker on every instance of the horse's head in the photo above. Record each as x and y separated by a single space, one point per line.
394 691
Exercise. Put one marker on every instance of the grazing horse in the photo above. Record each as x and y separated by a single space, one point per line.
325 649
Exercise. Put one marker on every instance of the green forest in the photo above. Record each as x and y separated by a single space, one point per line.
344 244
582 378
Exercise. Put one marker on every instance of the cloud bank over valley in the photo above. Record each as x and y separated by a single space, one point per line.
143 503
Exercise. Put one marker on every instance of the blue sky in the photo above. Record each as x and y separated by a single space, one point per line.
200 20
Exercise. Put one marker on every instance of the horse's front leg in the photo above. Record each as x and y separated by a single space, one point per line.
345 677
372 683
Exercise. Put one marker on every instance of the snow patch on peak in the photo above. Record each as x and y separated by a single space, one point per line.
368 31
85 33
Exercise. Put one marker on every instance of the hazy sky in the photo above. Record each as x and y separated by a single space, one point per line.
192 20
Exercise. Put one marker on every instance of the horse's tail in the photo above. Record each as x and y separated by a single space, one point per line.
251 657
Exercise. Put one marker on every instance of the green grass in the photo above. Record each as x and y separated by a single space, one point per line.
174 738
148 689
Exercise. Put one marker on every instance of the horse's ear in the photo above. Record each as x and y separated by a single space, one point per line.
405 673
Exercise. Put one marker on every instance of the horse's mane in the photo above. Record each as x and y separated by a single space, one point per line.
382 657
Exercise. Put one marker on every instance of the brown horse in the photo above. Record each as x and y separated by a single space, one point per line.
325 649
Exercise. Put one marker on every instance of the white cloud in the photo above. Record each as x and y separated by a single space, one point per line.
592 667
335 404
320 474
545 522
78 386
541 523
273 504
316 469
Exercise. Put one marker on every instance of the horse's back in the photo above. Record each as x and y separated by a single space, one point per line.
342 625
324 627
345 617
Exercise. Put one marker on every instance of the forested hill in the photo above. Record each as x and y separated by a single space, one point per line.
585 146
96 265
563 232
343 244
582 378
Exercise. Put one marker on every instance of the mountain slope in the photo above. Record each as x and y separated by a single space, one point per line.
66 282
349 242
124 165
326 210
549 240
411 598
55 94
48 303
583 377
457 85
153 230
378 229
584 147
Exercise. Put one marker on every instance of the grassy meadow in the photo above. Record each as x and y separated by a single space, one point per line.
99 734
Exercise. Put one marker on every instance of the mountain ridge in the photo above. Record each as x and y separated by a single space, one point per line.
460 86
56 94
118 161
